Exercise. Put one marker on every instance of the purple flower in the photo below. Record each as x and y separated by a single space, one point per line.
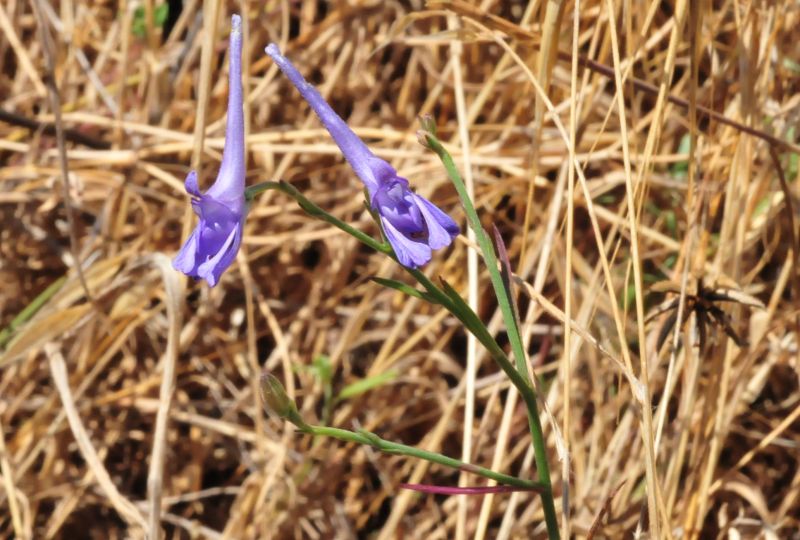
413 225
211 248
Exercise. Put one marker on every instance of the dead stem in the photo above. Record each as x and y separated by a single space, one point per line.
55 106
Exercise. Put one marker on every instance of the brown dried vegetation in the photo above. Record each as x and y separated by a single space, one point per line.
96 441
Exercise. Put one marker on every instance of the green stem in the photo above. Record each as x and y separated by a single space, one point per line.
370 439
317 212
514 337
456 305
453 304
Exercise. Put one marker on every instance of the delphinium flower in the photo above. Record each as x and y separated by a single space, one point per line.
412 224
213 244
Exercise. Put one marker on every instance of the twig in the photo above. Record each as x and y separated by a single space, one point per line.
55 105
8 484
22 54
605 509
174 292
71 135
653 489
787 197
58 370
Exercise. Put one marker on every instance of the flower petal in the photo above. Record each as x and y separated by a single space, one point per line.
395 202
441 227
212 269
383 171
191 184
185 260
411 253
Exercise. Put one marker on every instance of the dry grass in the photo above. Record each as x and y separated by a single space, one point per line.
135 408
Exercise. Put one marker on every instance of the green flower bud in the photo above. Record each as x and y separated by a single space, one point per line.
277 401
428 126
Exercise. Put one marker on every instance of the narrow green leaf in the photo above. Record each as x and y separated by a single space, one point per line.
607 199
794 162
359 387
30 310
487 251
371 439
464 313
404 288
629 298
791 65
505 273
671 222
518 376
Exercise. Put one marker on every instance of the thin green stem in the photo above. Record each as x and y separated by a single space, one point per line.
452 303
382 247
456 305
370 439
317 212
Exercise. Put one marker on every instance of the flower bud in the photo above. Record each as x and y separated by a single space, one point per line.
422 138
427 123
277 401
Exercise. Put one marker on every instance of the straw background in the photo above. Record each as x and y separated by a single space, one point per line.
133 410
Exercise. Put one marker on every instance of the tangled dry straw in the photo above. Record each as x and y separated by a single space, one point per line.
134 408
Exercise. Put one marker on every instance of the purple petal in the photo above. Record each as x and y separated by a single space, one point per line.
229 185
184 261
395 203
212 247
384 172
355 151
212 269
216 215
191 184
411 253
441 227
